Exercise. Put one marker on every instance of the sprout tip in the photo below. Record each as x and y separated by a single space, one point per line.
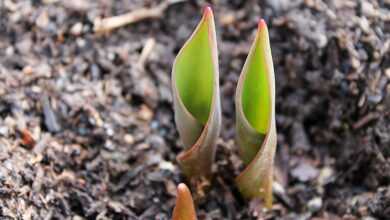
262 24
207 11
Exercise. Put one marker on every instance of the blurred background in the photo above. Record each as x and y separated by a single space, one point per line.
86 120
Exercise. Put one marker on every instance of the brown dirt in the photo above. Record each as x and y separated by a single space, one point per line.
88 133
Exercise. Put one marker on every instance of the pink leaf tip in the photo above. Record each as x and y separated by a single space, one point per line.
207 11
262 24
182 187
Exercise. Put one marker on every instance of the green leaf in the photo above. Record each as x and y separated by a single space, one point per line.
195 89
194 78
256 99
255 119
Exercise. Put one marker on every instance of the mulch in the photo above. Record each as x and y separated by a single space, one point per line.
86 122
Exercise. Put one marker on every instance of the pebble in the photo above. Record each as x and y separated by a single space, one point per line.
368 9
109 145
28 70
387 72
368 218
145 113
156 141
154 124
166 165
375 98
10 51
109 130
27 140
322 40
227 19
95 71
325 176
81 43
364 24
76 217
304 172
4 130
50 118
42 20
142 146
76 29
129 139
314 204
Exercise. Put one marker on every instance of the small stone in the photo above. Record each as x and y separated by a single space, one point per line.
227 19
166 165
109 130
304 172
111 56
387 72
142 146
50 118
355 63
28 70
156 141
368 9
109 145
43 69
314 204
76 29
368 218
27 139
4 131
43 20
154 124
36 89
364 25
76 217
95 71
81 42
374 98
153 160
278 188
325 176
24 46
10 51
145 113
322 40
129 139
80 5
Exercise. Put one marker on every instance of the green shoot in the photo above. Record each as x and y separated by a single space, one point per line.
196 98
255 115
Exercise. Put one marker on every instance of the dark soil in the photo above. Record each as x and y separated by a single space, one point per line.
87 131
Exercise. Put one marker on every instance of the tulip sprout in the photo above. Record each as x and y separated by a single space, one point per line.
198 113
255 119
184 209
196 98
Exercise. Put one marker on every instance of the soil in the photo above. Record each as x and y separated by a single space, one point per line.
86 123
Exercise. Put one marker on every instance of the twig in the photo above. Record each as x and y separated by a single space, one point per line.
368 118
148 48
107 24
